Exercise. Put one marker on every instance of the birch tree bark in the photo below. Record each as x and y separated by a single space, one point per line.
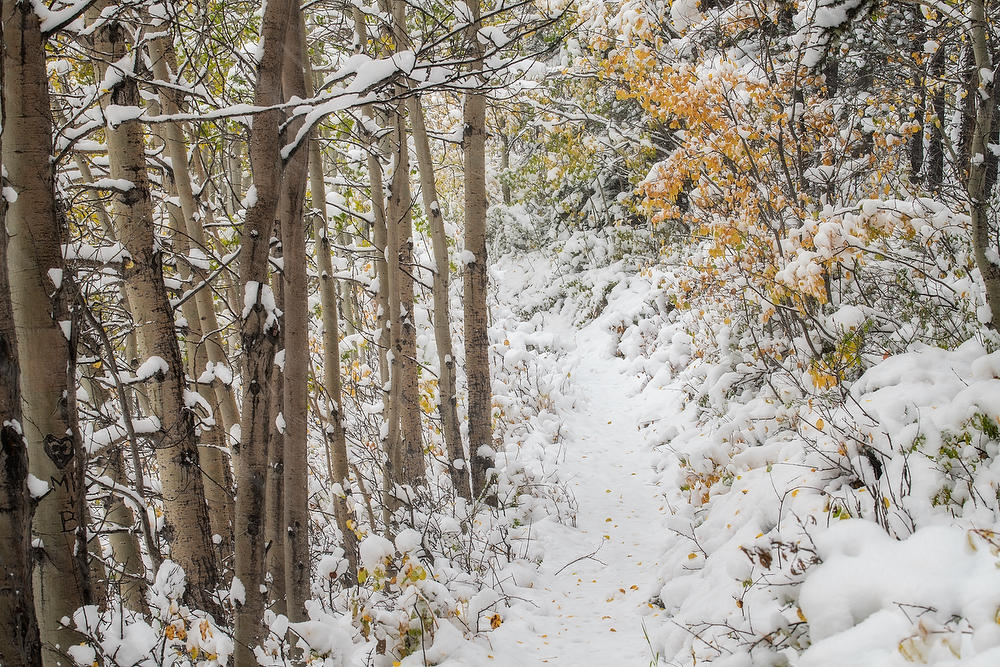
38 295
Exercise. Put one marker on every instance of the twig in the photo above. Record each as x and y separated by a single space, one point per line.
584 557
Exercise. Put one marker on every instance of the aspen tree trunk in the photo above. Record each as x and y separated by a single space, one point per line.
334 432
447 399
37 275
384 274
204 326
347 293
20 645
984 246
296 329
161 55
477 342
969 78
411 455
216 475
258 331
214 461
377 188
220 493
176 445
274 496
235 170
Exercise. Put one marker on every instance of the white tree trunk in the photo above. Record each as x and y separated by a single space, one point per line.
42 323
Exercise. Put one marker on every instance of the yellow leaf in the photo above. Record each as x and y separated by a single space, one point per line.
495 621
692 556
819 424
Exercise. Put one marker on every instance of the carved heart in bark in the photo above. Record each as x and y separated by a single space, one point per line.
60 450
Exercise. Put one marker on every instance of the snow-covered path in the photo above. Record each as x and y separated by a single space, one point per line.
592 596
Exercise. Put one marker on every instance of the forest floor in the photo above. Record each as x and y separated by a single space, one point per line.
590 601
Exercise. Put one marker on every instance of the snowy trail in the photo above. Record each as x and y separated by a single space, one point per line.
592 595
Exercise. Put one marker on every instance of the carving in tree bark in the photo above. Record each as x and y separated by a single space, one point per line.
38 291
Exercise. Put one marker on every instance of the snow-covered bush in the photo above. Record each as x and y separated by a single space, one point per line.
171 634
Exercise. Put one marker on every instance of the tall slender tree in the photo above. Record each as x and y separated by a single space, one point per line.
477 342
258 329
175 444
379 239
204 338
334 431
20 644
274 495
978 187
296 329
39 292
447 396
409 463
